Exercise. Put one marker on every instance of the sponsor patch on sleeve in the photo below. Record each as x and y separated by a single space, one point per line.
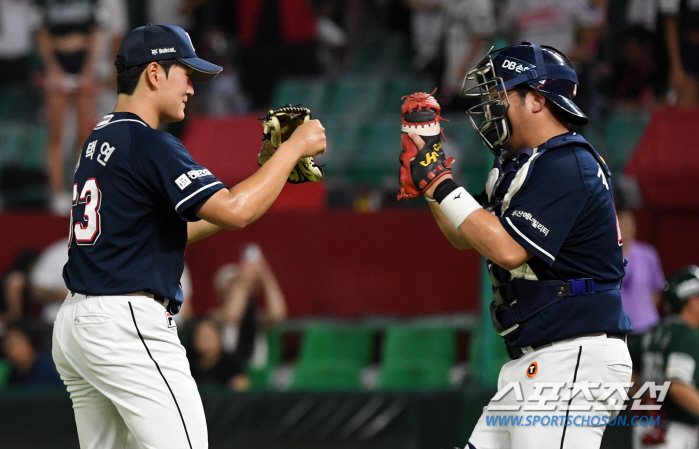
201 173
535 223
183 181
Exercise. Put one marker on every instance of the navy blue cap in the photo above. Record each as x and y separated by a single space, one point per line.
159 42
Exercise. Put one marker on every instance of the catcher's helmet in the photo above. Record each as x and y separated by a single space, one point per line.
542 68
680 286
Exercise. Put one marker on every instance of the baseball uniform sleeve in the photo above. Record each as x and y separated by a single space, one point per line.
170 170
680 367
544 207
682 355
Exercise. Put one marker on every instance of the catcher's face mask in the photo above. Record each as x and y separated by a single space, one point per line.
489 116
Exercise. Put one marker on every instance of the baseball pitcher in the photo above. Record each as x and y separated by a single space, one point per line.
138 199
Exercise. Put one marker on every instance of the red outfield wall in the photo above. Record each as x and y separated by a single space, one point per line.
328 263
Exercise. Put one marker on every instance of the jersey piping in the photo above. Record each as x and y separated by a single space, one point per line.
543 251
194 193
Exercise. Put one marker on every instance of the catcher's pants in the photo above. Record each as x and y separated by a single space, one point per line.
593 359
127 374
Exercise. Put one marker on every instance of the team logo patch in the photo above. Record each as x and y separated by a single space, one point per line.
105 121
160 51
514 65
532 370
170 321
182 181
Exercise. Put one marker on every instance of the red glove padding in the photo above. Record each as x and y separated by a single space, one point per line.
421 168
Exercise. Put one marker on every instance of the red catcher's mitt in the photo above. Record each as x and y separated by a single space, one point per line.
420 169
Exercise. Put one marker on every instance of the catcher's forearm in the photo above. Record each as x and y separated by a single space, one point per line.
450 232
486 235
248 200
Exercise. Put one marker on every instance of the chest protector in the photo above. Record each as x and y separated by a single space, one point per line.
520 296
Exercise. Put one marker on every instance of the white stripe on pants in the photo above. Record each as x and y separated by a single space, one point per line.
597 359
127 374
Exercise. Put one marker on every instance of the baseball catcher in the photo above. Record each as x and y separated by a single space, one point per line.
278 126
419 169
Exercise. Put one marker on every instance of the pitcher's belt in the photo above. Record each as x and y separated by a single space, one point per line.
159 299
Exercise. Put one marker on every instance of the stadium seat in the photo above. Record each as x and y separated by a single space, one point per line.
419 342
382 54
22 143
399 87
334 343
5 369
343 141
622 133
310 92
327 375
20 103
377 154
417 357
414 375
356 97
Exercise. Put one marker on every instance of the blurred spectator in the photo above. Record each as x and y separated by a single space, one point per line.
571 26
277 38
114 17
171 12
246 325
641 289
681 19
30 366
426 30
68 41
338 25
14 295
15 41
47 285
210 364
469 26
642 286
637 79
643 13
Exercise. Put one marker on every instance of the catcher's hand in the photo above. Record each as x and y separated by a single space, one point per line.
419 169
278 126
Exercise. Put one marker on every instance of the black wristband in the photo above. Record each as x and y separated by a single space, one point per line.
444 189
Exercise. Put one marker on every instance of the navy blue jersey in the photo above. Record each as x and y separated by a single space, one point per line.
135 190
560 208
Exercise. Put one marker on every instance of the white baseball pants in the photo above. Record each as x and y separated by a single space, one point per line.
127 374
596 359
